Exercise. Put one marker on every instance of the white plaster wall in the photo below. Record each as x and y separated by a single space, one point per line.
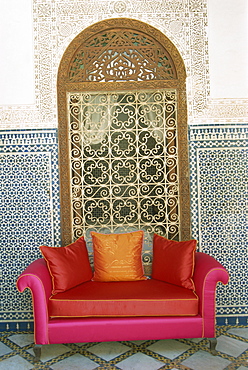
228 48
17 56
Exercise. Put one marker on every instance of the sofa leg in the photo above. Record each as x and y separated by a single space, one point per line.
212 345
37 352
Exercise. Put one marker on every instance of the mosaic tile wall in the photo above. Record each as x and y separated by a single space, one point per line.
219 169
29 215
30 211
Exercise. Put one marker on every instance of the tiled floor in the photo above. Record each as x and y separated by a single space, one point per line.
16 353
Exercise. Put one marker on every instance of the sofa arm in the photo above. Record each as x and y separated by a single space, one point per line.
36 277
208 272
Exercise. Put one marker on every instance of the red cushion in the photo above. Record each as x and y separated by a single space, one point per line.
173 262
68 266
124 298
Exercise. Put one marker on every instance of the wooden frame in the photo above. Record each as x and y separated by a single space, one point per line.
65 84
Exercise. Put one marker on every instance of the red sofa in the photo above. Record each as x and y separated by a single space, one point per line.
142 310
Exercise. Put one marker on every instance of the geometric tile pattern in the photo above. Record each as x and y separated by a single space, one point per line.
219 174
232 353
29 214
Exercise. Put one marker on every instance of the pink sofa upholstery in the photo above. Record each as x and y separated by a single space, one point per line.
208 272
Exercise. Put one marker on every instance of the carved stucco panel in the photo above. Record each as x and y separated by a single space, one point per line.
56 23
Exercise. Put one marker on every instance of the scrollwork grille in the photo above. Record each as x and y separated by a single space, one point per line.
123 149
121 165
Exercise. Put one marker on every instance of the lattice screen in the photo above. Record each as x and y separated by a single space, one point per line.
124 161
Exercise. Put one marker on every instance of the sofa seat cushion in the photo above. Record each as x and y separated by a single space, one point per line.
124 298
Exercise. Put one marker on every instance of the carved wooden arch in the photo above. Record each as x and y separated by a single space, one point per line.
69 80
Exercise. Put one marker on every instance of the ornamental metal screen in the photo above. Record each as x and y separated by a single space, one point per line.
123 157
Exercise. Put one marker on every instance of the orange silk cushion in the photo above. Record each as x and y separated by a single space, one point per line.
68 266
117 257
173 262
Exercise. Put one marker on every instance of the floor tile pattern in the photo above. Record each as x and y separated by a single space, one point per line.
182 354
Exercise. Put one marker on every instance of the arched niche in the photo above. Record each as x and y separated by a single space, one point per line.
122 59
